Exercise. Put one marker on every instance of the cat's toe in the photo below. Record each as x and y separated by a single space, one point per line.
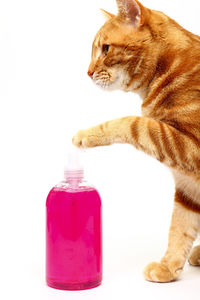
84 139
158 272
79 139
194 258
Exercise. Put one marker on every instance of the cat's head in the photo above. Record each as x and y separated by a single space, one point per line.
125 47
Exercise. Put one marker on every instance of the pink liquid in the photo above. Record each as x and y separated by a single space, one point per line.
73 239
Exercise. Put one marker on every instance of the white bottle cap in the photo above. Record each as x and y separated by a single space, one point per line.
74 168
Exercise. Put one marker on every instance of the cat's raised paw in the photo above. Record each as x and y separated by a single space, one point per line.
80 139
87 138
158 272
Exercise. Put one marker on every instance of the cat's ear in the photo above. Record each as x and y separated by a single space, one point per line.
132 11
107 15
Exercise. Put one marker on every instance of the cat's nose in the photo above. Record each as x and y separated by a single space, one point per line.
90 73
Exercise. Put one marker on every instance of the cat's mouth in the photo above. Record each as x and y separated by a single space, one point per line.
106 81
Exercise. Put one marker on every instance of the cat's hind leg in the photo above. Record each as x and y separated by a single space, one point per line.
183 231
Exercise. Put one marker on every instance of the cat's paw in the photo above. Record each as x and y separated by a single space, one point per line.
194 258
88 138
81 139
158 272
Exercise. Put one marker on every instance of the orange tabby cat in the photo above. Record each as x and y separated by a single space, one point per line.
144 51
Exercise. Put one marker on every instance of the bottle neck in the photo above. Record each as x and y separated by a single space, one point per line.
73 180
74 177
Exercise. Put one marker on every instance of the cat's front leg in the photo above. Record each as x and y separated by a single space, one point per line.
115 131
158 139
183 231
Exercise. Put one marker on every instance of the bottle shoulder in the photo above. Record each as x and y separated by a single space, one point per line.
74 187
65 191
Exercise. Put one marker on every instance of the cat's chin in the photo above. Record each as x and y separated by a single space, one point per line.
106 86
110 85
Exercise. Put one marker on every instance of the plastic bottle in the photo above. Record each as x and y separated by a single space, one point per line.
73 232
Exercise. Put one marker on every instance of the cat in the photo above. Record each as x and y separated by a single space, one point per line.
144 51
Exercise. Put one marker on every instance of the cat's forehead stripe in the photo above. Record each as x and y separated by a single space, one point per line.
97 42
100 40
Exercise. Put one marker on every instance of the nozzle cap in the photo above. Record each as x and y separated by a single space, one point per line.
74 167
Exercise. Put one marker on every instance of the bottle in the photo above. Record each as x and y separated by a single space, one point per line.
73 232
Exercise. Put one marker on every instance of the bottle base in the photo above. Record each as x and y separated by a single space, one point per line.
73 286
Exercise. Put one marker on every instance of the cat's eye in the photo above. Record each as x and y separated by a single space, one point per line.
106 49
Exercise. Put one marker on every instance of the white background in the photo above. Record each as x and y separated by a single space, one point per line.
46 96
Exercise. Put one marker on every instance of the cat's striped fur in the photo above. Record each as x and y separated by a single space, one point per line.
145 51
